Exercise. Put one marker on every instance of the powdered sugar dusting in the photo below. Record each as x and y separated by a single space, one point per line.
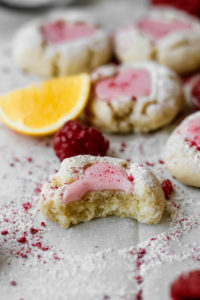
108 258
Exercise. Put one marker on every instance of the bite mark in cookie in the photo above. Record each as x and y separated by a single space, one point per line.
88 187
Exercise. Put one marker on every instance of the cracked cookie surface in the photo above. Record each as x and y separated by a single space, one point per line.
62 43
137 97
168 36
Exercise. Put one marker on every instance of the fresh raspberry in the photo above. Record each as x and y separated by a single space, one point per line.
167 187
75 139
186 286
196 95
190 6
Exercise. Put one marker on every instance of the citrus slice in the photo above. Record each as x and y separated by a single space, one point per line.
41 110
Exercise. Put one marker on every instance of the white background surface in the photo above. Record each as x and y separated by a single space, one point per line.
95 261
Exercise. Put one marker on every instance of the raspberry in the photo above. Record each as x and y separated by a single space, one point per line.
186 286
196 94
167 187
75 139
190 6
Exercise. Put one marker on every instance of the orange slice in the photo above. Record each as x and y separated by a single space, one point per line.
42 110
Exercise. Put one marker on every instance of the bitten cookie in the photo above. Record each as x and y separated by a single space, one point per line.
182 154
137 97
88 187
62 43
169 36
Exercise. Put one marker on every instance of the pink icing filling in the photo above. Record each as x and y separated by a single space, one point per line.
129 82
59 31
192 131
158 29
98 177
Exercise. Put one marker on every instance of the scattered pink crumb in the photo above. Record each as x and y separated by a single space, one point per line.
130 177
138 279
149 164
39 245
27 206
22 240
55 256
4 232
161 161
141 252
38 188
13 283
16 159
23 255
43 224
33 230
29 159
122 146
139 295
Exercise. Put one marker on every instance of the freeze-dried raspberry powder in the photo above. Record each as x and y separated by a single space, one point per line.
186 286
76 139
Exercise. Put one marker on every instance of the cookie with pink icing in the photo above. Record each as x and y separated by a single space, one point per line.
182 153
137 97
169 36
60 44
88 187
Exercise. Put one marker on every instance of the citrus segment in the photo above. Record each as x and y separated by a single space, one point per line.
41 110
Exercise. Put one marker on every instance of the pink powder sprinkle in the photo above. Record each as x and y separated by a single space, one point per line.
38 189
138 279
27 206
22 240
141 253
33 230
13 283
16 159
43 224
29 159
12 164
149 164
4 232
39 245
139 295
161 161
130 177
55 256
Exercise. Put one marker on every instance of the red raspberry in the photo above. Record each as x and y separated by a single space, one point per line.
186 286
167 187
190 6
196 94
75 139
